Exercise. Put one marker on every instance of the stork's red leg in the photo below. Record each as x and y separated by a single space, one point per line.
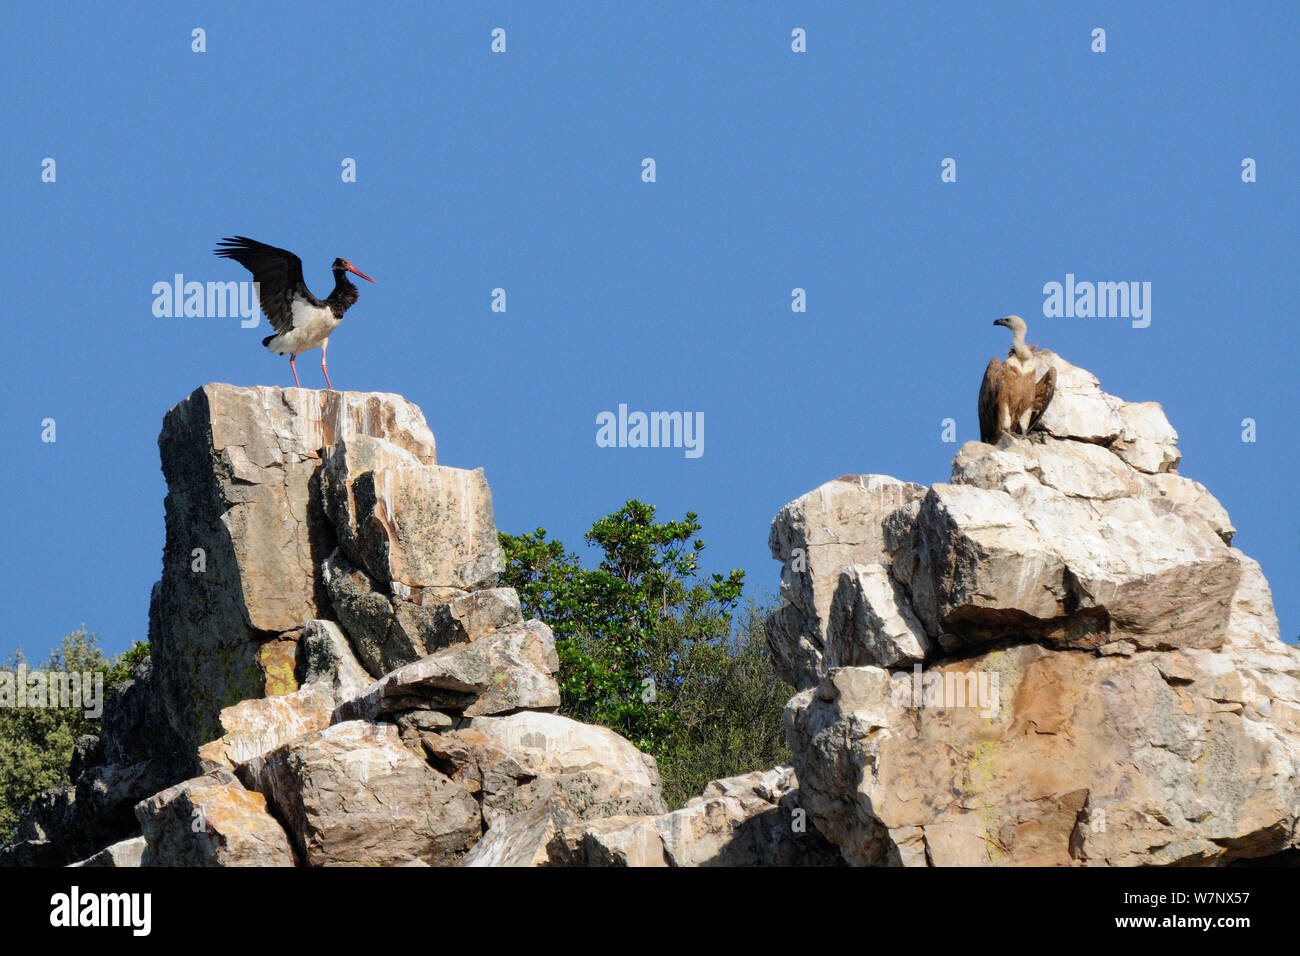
328 383
296 383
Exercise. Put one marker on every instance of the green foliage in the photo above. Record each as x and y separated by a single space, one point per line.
727 710
124 665
647 648
36 743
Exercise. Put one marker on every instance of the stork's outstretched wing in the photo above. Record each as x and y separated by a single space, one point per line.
277 272
988 404
1043 393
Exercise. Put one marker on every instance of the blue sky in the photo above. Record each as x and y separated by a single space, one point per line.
522 171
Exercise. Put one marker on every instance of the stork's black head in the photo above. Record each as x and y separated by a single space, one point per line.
342 265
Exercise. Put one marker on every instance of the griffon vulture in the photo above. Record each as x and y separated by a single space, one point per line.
1010 399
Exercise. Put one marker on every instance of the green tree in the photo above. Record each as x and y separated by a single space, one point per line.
646 642
36 743
729 710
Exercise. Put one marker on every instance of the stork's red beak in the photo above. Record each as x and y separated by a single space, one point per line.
357 272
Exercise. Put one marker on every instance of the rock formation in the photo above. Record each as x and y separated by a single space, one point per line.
1055 658
247 532
750 820
336 679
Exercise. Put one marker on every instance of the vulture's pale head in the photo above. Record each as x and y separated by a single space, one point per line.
1013 322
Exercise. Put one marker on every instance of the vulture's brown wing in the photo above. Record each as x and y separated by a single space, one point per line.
988 407
1043 393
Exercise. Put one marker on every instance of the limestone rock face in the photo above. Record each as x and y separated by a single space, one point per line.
1180 757
336 678
1065 538
349 580
328 660
256 726
816 538
506 670
1057 658
354 794
1137 432
211 821
598 772
135 730
523 839
751 820
408 523
614 841
389 632
369 617
246 533
125 853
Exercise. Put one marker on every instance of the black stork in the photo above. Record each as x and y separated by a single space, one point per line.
301 321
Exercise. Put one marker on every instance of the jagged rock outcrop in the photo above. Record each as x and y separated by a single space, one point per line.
211 821
256 727
830 534
336 678
524 838
751 820
391 637
599 773
328 660
504 671
1055 658
353 794
124 854
412 526
247 532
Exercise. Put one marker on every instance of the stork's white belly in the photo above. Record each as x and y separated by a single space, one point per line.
312 325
